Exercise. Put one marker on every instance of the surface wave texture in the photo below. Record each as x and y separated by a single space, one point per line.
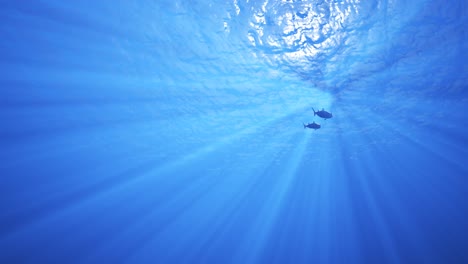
173 131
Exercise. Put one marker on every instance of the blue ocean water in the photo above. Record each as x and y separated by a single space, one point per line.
171 131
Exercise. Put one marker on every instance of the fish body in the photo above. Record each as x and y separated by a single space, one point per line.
313 126
323 114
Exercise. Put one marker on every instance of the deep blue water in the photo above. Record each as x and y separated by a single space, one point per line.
171 131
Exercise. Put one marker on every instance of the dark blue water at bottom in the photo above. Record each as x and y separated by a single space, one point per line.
172 131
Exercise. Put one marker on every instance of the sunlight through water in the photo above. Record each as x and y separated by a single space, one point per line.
174 131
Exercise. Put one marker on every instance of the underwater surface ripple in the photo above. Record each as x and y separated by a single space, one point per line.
173 131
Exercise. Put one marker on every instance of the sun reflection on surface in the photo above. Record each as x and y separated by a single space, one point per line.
295 33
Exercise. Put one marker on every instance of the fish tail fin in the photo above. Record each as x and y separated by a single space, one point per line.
313 110
304 125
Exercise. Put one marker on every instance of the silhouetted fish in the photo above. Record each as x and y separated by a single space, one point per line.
323 114
313 126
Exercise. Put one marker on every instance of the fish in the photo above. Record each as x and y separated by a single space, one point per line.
313 126
323 114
